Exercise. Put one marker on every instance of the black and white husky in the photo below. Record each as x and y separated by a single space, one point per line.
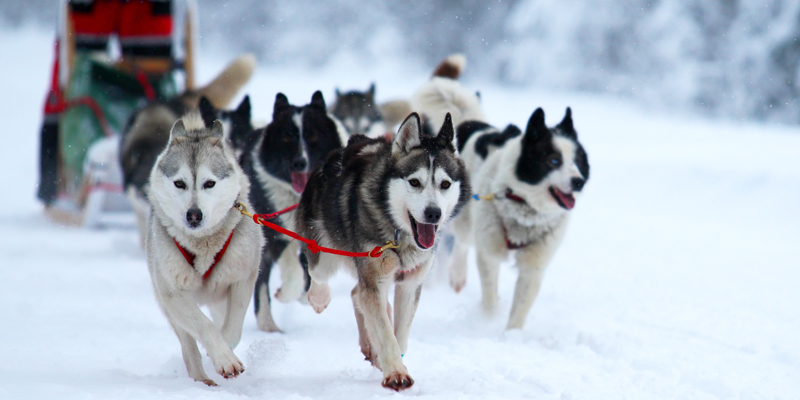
279 164
199 248
534 178
358 112
237 124
366 194
528 181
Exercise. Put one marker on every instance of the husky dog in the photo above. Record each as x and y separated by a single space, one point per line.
237 124
358 113
366 194
147 131
532 181
535 178
279 164
199 248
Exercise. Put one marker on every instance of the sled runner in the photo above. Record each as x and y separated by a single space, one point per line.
111 57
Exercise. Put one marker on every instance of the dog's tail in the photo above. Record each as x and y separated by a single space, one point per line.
451 67
443 94
396 111
224 87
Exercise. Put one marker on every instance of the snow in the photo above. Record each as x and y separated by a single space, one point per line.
678 277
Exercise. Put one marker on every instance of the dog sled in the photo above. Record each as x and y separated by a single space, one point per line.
111 57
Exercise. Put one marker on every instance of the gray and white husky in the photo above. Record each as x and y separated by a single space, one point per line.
532 178
366 194
147 131
199 248
358 112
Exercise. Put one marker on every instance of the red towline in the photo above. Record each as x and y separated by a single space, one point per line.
262 219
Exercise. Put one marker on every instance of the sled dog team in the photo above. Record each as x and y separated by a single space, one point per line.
190 166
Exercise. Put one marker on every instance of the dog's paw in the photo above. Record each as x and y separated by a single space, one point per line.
208 382
458 283
289 292
265 321
228 365
397 381
319 296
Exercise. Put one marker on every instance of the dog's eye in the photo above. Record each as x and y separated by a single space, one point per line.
180 184
414 182
554 161
446 185
209 184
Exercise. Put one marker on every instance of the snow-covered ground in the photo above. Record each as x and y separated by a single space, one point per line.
678 278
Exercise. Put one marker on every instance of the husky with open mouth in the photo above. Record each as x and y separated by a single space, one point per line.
366 194
527 182
279 164
534 179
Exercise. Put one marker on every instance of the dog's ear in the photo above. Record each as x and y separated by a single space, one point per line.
318 101
536 127
217 133
370 95
566 127
244 108
281 103
446 136
338 94
207 111
408 135
178 132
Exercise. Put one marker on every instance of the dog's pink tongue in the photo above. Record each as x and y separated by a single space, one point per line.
566 199
299 180
426 234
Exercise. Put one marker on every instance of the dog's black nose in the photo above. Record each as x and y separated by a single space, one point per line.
194 216
577 184
299 164
432 215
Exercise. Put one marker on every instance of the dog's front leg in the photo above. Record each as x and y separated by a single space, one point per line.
183 311
372 296
291 274
531 262
406 300
238 300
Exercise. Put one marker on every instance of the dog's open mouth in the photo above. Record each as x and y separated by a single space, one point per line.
563 199
424 234
299 180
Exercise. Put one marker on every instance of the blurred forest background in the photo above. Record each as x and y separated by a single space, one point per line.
732 58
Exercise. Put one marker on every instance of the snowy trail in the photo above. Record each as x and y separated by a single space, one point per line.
678 277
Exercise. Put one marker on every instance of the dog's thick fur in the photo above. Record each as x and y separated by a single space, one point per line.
369 193
147 130
285 152
358 113
535 178
193 187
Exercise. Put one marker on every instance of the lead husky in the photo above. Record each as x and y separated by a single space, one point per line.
199 248
369 193
279 164
147 130
532 179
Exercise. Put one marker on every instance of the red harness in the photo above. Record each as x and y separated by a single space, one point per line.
190 257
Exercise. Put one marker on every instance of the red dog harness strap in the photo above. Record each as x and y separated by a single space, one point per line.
190 257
